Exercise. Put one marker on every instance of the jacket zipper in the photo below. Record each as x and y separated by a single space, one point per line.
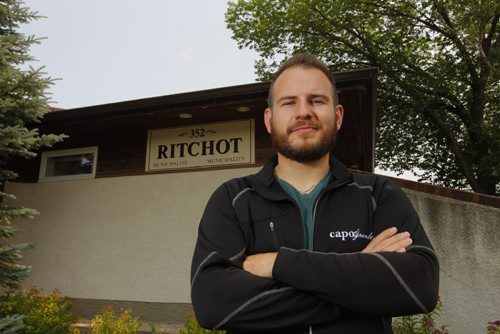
314 219
312 236
316 206
302 227
273 233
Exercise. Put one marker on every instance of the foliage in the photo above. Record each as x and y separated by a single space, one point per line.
427 324
108 322
154 330
43 314
192 327
23 102
411 324
493 327
11 324
438 61
420 323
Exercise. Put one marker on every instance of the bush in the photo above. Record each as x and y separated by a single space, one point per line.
108 322
47 314
493 327
420 323
11 324
192 327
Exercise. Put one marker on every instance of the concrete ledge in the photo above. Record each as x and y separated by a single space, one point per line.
84 328
161 313
461 195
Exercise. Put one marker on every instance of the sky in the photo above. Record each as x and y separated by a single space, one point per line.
104 51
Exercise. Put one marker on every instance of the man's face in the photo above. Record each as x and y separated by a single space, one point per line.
303 121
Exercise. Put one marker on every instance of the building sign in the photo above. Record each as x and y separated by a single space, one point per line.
203 145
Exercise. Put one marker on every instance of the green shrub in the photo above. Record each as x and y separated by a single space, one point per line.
419 323
108 322
43 314
154 330
192 327
11 324
493 327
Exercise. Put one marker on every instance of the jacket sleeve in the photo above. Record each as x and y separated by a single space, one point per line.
385 283
225 296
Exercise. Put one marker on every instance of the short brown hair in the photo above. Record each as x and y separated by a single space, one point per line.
305 60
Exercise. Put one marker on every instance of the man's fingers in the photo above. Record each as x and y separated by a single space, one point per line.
384 235
388 241
260 264
400 245
395 243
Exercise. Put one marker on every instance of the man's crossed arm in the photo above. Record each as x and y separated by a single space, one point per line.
387 241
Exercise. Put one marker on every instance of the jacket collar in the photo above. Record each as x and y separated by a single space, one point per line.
265 178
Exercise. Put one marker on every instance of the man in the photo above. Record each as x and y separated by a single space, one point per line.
291 249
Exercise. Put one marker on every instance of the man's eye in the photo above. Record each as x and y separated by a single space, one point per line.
317 101
288 103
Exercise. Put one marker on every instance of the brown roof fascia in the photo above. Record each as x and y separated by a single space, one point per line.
233 93
160 102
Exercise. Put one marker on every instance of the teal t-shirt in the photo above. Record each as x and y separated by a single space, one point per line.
306 205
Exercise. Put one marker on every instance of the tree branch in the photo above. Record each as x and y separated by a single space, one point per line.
453 36
370 55
428 22
485 44
458 109
462 163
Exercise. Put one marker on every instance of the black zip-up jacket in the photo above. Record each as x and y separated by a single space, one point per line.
333 288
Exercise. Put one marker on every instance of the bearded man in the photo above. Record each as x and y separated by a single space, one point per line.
304 245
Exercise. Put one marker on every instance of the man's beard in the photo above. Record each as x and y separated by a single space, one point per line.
306 152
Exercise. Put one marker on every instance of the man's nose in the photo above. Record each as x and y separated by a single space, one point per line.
303 110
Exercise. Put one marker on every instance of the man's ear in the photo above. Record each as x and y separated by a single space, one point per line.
268 116
339 115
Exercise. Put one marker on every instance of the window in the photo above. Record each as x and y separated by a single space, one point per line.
70 164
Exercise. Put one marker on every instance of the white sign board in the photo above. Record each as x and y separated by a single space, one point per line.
203 145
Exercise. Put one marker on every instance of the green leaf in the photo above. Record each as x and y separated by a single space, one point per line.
438 108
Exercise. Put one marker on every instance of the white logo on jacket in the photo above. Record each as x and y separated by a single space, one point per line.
351 235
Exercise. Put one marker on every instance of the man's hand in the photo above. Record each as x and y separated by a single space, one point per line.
260 264
389 241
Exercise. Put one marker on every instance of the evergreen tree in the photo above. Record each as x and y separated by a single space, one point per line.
23 103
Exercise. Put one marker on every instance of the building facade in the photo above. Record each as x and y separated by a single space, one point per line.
120 199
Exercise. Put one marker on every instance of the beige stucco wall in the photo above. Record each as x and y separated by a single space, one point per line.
466 239
131 238
122 238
